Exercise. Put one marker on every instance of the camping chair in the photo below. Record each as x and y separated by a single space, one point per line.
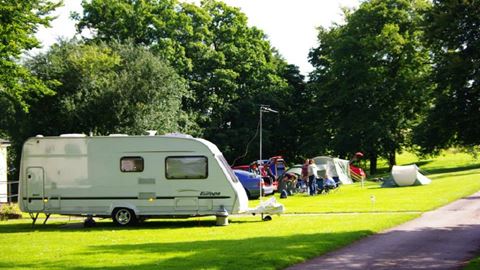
320 186
301 186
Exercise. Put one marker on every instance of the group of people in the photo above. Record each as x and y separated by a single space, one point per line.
317 183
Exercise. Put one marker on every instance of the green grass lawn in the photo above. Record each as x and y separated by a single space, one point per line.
186 244
444 188
474 264
311 226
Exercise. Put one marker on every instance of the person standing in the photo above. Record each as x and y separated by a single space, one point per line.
312 177
304 176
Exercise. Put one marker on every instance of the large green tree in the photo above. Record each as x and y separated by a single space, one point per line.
230 67
453 32
19 21
370 78
291 130
106 89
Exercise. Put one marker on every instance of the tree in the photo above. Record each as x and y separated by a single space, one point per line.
247 76
292 134
106 89
19 22
453 33
371 78
228 65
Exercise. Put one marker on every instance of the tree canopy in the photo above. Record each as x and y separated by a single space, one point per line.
107 88
228 65
19 22
395 74
453 33
370 78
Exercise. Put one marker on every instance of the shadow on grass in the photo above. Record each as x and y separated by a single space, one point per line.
453 174
384 251
421 162
108 225
385 170
452 170
405 187
249 253
446 171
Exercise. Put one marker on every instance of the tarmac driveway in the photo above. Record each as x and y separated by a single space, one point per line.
446 238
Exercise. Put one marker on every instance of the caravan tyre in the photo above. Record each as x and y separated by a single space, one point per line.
123 216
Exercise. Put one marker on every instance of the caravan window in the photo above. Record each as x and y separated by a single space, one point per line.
228 168
186 167
131 164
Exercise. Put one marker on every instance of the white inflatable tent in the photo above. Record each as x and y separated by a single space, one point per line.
408 175
334 167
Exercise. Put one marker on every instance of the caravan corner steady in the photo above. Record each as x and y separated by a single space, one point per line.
128 178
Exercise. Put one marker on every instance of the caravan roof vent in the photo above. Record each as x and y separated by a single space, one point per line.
118 135
179 135
73 135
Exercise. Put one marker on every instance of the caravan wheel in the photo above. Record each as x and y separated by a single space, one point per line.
123 216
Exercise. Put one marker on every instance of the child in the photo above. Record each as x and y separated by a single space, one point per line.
329 184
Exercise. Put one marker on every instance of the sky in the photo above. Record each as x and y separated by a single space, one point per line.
290 25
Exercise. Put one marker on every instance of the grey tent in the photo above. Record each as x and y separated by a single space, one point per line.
334 167
408 175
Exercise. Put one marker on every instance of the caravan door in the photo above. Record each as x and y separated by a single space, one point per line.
35 189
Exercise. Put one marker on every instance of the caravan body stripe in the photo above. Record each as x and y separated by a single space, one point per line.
121 198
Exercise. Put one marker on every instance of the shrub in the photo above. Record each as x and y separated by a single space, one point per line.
10 211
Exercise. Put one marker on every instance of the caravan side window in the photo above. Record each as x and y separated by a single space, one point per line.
131 164
186 167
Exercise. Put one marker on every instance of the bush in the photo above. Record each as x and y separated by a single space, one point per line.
10 211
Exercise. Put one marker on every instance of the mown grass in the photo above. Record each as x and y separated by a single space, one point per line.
444 188
186 244
311 226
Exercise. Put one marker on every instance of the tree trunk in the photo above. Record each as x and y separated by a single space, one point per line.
373 164
392 160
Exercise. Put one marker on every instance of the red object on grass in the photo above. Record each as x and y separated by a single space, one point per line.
357 173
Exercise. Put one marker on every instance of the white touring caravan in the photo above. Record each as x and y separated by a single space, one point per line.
127 178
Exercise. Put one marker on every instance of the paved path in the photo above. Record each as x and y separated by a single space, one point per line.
446 238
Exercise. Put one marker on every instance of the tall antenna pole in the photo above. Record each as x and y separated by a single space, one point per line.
263 108
260 165
261 133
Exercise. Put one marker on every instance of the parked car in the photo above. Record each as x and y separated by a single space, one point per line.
271 169
251 182
242 167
